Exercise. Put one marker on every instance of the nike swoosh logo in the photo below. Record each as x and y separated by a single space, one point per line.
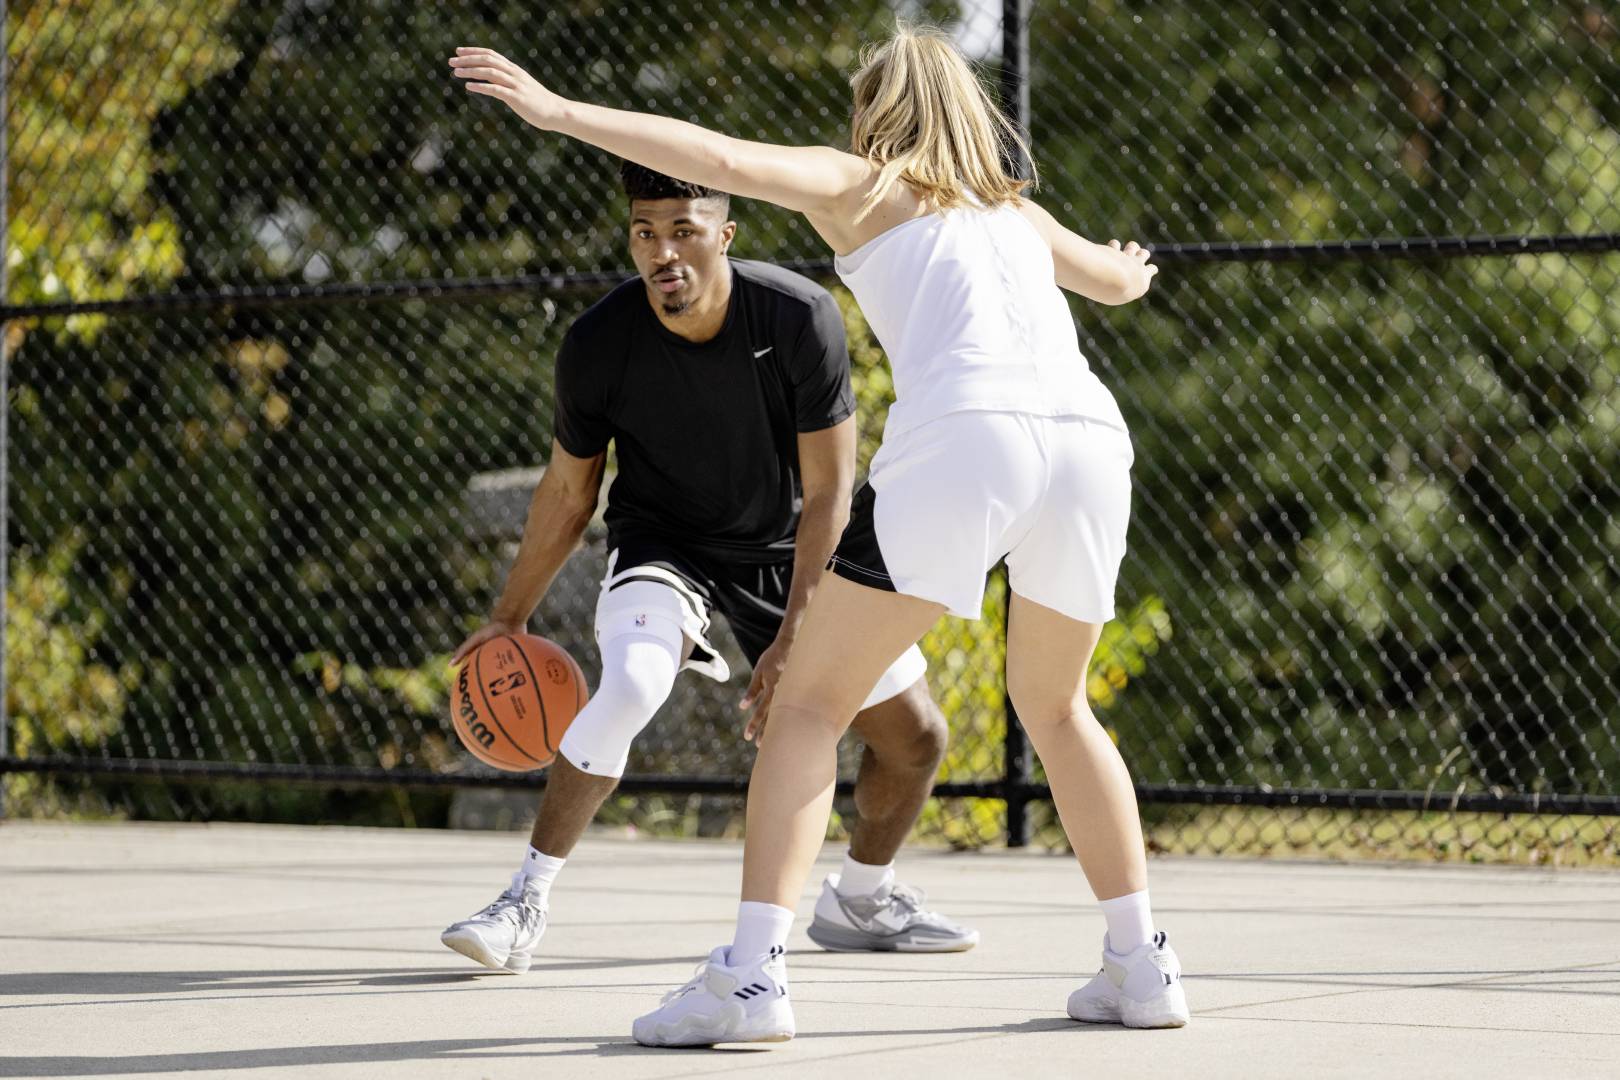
763 351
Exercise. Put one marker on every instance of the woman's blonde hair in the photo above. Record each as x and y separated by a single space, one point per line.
922 116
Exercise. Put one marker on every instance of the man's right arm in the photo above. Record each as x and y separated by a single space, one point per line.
564 503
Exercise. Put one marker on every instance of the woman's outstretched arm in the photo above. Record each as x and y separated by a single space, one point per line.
814 180
1106 273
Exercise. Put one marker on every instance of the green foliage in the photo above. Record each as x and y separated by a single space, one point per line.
56 695
1378 499
1375 501
89 80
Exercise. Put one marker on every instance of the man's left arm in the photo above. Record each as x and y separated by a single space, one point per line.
827 474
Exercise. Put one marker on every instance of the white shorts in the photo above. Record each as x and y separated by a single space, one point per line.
946 500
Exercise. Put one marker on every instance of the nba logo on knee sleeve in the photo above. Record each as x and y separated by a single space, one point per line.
641 620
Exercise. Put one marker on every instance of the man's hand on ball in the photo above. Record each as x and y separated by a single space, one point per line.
489 631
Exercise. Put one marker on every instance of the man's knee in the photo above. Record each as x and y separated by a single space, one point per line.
638 672
930 734
908 730
645 677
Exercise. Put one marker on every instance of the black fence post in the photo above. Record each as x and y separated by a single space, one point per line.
1015 776
1015 782
1015 70
5 405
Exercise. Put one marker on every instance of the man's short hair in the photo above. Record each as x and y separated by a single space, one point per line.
641 182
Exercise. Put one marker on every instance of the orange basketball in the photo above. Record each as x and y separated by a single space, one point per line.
513 698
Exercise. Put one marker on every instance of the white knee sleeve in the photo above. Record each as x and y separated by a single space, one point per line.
642 648
901 674
635 595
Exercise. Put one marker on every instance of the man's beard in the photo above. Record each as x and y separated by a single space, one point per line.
677 307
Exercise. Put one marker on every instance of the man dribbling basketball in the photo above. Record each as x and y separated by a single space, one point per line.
725 386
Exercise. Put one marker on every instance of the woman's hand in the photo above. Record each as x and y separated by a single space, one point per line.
489 73
1140 256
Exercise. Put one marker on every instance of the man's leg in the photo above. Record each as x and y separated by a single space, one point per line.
638 673
642 646
567 806
862 907
904 741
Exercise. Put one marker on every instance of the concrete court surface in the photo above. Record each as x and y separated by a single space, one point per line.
313 952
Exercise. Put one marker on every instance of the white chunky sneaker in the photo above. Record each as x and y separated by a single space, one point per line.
890 920
503 935
723 1004
1140 990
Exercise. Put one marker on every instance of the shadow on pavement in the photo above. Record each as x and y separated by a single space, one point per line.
126 983
452 1049
274 1057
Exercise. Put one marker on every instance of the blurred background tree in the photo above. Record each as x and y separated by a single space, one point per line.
1376 500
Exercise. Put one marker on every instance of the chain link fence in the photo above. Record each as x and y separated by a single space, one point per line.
282 304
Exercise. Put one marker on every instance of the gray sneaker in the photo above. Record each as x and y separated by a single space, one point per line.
503 935
893 920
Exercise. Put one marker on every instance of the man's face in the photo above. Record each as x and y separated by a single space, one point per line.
679 248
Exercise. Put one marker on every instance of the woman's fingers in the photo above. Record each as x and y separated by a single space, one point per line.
1133 249
482 60
495 76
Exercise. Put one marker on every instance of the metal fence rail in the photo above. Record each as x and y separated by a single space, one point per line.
260 339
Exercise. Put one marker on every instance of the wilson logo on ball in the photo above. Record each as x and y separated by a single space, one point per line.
468 714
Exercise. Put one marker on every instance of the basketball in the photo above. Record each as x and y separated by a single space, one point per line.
513 699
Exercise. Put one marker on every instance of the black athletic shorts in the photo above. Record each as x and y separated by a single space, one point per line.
858 557
753 598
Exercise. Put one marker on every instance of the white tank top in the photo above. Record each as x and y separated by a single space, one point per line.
967 306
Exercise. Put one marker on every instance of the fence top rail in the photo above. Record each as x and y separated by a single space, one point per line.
186 770
1400 247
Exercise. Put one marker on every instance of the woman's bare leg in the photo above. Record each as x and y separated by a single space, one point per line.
850 636
1047 658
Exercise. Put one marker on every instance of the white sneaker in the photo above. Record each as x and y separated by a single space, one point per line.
504 934
723 1004
1140 990
891 920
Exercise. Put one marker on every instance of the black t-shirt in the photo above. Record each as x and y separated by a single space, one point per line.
707 434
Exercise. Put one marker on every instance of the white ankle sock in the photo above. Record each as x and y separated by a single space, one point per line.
1130 921
863 879
760 928
541 869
